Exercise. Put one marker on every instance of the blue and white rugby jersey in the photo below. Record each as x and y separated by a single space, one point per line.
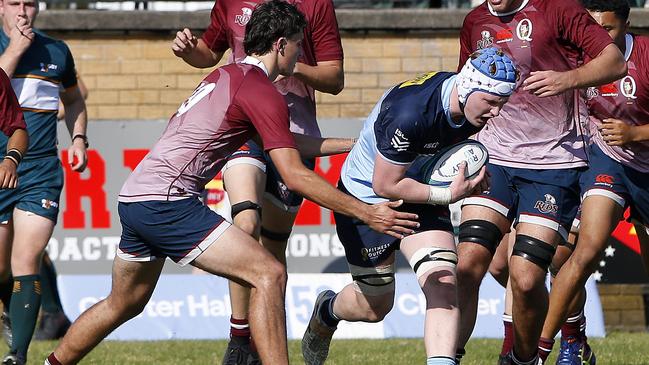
411 119
45 69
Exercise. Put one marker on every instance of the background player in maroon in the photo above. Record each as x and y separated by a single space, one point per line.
162 217
619 168
534 145
12 125
250 179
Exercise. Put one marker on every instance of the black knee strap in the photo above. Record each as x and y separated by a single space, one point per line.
275 236
481 232
375 279
565 243
534 250
244 205
553 270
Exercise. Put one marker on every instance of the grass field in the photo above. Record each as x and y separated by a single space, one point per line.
616 349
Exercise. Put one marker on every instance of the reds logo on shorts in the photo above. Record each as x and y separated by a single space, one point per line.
549 206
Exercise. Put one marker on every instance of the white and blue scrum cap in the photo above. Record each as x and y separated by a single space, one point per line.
488 70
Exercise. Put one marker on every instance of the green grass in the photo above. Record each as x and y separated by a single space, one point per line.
616 349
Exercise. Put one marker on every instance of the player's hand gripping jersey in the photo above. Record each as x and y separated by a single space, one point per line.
321 43
232 104
626 99
533 132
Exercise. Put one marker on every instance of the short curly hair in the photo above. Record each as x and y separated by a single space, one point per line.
270 21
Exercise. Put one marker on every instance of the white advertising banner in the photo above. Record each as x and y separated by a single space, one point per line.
198 307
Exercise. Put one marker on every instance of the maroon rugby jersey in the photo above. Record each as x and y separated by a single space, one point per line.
231 105
626 99
321 43
533 132
11 117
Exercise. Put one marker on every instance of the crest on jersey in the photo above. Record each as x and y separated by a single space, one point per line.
243 18
399 141
45 67
592 93
486 41
524 30
628 86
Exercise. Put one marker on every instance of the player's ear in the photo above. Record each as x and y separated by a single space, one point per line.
281 45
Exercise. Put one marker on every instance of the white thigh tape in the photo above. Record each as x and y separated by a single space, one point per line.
426 259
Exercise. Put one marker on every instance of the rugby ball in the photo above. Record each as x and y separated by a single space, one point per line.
441 168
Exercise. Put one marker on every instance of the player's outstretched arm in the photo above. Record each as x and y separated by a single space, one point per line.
380 217
617 133
608 66
193 50
310 147
327 76
76 119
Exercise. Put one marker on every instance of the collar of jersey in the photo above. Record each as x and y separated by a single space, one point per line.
491 10
629 46
249 60
447 88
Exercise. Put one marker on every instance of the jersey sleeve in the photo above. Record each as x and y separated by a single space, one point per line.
579 28
215 36
69 76
267 110
11 117
324 32
465 42
396 135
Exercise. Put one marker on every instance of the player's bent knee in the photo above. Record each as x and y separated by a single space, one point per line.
373 281
534 250
481 232
525 287
273 275
126 308
376 307
469 277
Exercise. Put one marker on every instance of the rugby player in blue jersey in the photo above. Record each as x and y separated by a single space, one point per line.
413 119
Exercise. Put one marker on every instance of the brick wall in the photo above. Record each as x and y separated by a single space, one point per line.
138 77
624 306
